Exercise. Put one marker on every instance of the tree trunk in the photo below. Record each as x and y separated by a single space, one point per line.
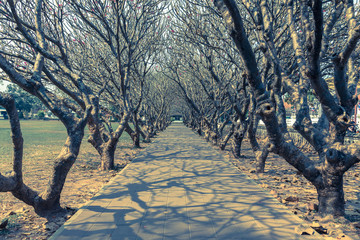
331 196
261 157
63 163
227 137
147 134
49 200
134 136
109 148
137 131
108 157
206 135
261 154
214 138
144 134
136 140
236 146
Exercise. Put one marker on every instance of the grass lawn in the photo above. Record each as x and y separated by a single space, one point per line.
43 141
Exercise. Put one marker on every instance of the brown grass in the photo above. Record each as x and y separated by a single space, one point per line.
43 141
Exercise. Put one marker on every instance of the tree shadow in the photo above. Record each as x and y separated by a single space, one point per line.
183 191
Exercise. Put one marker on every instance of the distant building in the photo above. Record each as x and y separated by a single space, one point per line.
176 117
3 113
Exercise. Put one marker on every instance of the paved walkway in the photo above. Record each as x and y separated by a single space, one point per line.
181 188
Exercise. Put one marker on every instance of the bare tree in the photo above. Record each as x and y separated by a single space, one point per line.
126 30
38 79
213 61
326 174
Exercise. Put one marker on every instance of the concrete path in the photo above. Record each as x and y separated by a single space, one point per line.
181 188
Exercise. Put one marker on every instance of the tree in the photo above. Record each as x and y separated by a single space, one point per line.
45 53
24 101
38 79
126 32
207 57
335 158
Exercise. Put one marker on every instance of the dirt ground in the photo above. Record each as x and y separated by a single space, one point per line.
83 182
294 191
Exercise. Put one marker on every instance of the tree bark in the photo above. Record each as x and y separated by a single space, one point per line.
134 136
331 196
137 131
261 156
109 147
236 143
108 156
227 137
50 198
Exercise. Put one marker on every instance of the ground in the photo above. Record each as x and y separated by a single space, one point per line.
84 180
294 191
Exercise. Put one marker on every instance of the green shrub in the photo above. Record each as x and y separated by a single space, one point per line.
40 115
21 115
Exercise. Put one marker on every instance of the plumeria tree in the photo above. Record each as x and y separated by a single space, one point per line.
207 57
30 57
127 33
311 26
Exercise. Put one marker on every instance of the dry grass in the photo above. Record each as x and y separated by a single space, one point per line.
42 142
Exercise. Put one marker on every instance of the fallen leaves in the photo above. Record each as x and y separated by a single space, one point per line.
304 229
292 199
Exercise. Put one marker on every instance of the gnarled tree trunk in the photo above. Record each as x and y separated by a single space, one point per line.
47 201
105 141
237 141
108 155
227 137
331 197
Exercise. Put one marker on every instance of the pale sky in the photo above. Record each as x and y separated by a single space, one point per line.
3 85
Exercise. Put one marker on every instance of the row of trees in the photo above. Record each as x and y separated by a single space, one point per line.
233 61
26 104
85 61
221 61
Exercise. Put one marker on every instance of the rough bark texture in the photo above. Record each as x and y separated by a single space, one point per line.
50 198
109 147
103 138
108 156
237 141
134 136
331 196
227 137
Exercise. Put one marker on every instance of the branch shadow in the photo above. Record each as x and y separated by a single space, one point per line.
183 191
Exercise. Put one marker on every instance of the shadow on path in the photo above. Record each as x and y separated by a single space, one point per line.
181 188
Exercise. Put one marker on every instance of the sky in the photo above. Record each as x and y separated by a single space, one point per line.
3 85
